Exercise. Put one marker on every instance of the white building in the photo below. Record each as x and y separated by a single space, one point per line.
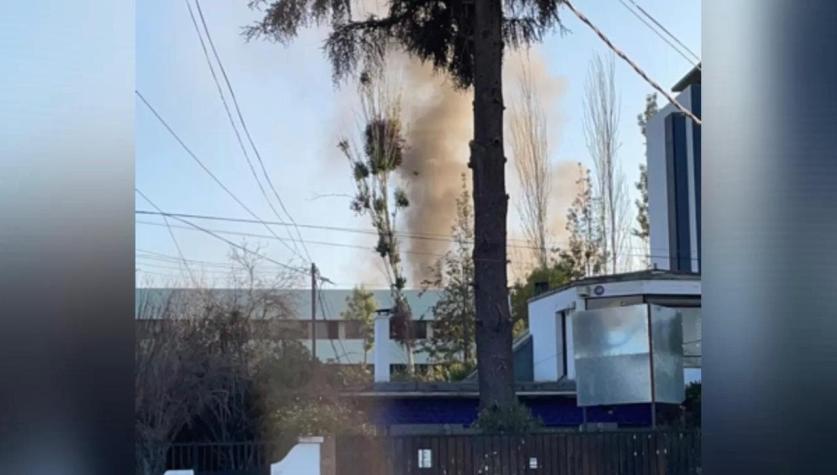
674 171
288 315
551 316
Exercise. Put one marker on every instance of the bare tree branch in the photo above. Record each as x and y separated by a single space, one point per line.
530 150
601 133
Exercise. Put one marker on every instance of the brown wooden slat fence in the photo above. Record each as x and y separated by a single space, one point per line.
557 453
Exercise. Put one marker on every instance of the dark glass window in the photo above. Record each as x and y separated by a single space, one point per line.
419 330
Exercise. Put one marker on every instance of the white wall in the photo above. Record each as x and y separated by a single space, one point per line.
657 190
545 321
545 328
657 185
350 351
303 459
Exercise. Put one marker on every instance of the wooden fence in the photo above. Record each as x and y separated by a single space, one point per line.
571 453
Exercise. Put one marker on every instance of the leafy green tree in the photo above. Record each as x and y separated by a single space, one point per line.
557 274
585 253
466 39
643 229
453 326
360 308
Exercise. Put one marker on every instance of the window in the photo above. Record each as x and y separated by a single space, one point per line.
289 329
419 330
355 330
328 330
608 302
333 332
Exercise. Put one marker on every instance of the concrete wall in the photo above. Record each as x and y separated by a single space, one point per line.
304 459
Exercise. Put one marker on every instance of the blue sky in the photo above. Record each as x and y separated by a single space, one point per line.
295 114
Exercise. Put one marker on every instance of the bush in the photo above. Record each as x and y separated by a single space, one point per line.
515 419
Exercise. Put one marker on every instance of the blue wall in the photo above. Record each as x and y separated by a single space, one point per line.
553 411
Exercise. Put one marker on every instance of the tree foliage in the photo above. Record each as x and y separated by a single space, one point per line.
601 132
452 340
438 32
360 308
555 275
643 229
374 166
515 419
211 366
529 140
466 39
585 254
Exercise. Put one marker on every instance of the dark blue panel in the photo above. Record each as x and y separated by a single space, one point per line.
696 147
523 367
552 411
677 174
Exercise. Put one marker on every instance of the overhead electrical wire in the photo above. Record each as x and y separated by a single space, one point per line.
631 63
223 98
240 247
669 33
206 169
439 238
173 238
244 125
691 61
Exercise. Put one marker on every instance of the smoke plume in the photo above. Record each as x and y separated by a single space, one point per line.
439 128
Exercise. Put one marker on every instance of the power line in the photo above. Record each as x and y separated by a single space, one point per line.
660 35
204 167
173 238
244 125
449 239
228 268
419 236
230 117
631 63
669 33
249 251
264 236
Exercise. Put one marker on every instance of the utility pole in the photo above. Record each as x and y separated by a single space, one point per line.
314 311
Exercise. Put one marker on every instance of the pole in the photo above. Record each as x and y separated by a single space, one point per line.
651 367
313 311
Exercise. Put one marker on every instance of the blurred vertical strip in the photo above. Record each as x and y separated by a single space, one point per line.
769 235
66 237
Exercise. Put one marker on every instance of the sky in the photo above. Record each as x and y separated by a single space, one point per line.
296 114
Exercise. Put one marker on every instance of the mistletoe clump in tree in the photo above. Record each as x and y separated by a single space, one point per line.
465 39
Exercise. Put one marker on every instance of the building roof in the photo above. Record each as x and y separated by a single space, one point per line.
651 274
298 300
460 389
692 77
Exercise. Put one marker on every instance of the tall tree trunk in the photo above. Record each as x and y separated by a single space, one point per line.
493 319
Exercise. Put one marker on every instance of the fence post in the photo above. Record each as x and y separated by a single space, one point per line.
328 456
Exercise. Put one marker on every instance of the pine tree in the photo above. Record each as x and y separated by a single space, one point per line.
453 327
467 40
585 254
643 229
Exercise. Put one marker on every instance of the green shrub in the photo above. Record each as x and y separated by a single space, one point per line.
515 419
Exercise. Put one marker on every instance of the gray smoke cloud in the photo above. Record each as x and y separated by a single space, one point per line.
439 128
